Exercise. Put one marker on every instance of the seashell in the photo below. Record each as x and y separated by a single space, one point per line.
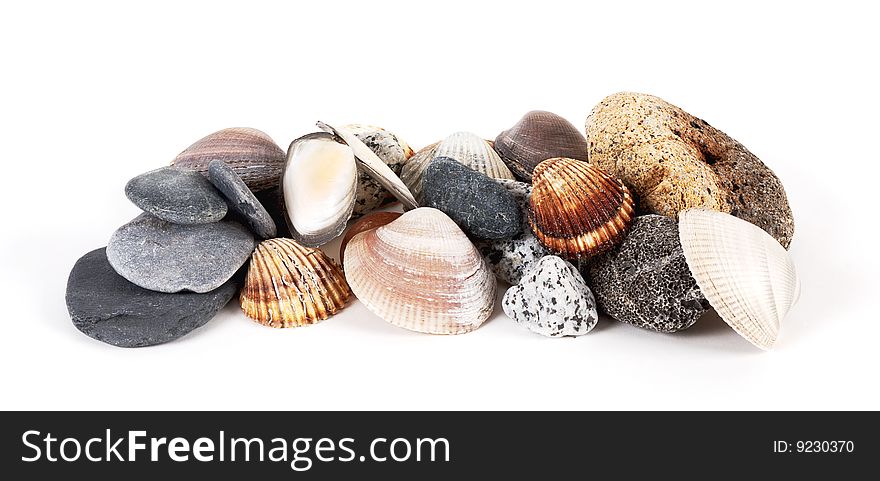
539 136
744 273
365 223
467 148
373 165
252 154
388 147
290 285
318 186
577 210
422 273
413 170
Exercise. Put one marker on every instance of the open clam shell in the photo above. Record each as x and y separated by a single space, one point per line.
745 274
539 136
252 154
577 210
318 184
464 147
392 150
373 165
422 273
290 285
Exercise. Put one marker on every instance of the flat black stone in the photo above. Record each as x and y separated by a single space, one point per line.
105 306
177 195
241 200
479 205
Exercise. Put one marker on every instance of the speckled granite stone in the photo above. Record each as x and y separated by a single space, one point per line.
388 147
674 161
646 281
552 299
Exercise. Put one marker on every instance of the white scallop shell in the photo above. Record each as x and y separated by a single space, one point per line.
318 184
745 274
422 273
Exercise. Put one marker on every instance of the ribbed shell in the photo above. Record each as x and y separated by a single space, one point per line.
465 147
422 273
365 223
289 285
413 170
252 154
745 274
577 210
539 136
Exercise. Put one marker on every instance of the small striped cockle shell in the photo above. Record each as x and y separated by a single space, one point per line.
465 147
388 147
577 210
289 285
539 136
745 274
251 154
318 187
421 272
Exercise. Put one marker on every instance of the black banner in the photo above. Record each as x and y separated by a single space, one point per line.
328 445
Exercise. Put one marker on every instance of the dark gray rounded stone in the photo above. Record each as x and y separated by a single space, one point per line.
166 257
552 299
510 258
105 306
241 200
480 206
646 281
177 195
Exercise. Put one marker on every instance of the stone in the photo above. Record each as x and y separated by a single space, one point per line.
552 299
480 206
166 257
105 306
177 195
392 150
646 281
241 200
510 258
673 161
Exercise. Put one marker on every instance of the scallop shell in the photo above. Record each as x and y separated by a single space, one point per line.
577 210
388 147
369 162
422 273
252 154
466 148
289 285
745 274
318 187
365 223
539 136
413 170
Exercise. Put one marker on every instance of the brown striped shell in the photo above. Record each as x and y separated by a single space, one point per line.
577 210
421 272
252 154
289 285
539 136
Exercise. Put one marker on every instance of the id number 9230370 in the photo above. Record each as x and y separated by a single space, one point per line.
818 447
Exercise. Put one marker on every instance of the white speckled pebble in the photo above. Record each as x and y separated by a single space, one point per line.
552 299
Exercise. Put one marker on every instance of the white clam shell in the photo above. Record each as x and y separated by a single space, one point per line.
421 272
318 184
745 274
373 165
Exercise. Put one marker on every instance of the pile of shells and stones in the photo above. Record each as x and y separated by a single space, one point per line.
653 217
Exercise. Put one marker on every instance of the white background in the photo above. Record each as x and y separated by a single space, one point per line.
92 94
